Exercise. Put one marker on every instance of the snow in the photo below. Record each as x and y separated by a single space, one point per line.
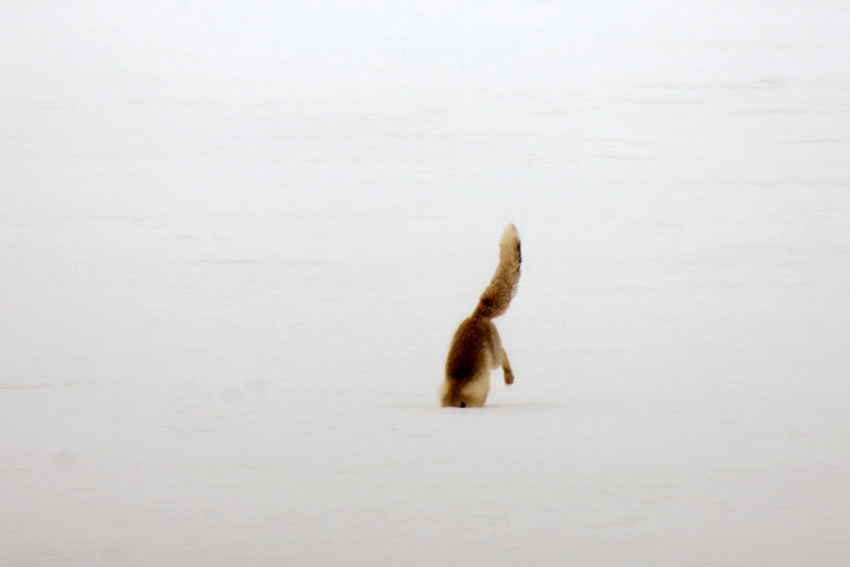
236 240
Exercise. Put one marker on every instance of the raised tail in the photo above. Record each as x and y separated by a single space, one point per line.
496 298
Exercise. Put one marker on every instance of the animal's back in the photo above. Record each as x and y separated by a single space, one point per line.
469 351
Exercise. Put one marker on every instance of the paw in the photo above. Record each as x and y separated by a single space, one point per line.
509 377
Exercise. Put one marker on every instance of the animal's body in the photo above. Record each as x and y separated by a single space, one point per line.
476 347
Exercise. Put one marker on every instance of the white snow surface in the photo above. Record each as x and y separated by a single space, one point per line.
237 237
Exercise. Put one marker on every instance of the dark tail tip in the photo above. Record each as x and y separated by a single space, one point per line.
463 404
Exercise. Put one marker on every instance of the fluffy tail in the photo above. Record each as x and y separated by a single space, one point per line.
496 298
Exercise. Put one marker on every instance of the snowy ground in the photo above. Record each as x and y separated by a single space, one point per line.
236 239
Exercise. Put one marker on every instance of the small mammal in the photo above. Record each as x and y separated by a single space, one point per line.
476 347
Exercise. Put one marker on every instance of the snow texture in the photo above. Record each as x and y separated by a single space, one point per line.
237 237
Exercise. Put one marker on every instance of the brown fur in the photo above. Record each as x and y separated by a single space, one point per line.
476 347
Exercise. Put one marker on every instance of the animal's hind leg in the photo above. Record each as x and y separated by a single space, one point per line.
501 357
506 367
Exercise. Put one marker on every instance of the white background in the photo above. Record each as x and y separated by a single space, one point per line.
236 239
